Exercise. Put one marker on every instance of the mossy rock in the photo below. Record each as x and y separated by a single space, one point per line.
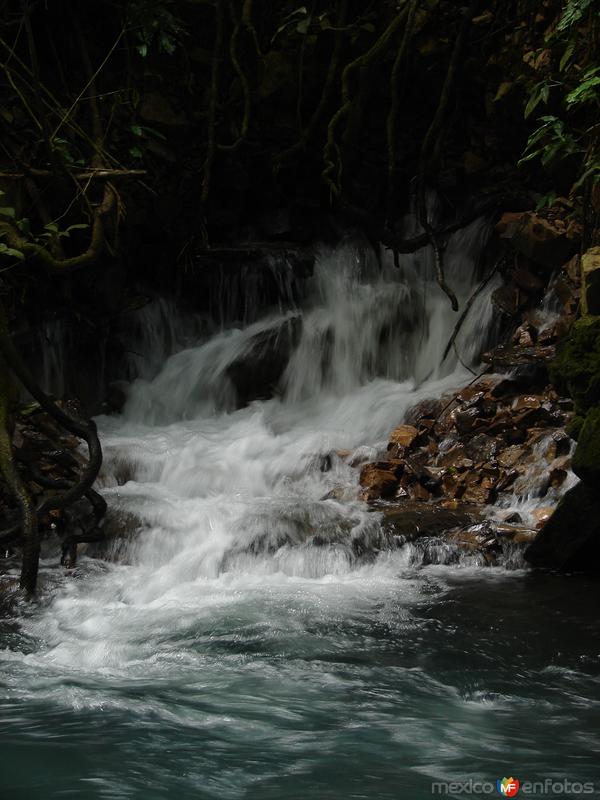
570 540
586 459
576 368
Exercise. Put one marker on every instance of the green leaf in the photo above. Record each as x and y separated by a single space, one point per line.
10 251
566 56
136 130
79 226
302 26
585 91
135 152
142 49
51 227
7 211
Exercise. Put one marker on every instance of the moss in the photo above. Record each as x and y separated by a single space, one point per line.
576 368
574 427
586 459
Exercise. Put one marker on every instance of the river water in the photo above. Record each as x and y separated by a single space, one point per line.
234 645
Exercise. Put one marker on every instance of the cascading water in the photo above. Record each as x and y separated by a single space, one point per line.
239 647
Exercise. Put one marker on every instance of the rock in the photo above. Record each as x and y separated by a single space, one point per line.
509 457
478 494
482 448
413 520
537 238
380 479
559 445
256 372
507 299
466 420
527 281
586 458
502 357
526 402
576 368
590 269
425 409
513 518
542 515
404 435
570 539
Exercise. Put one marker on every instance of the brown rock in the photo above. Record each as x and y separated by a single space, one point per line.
590 269
560 445
380 479
425 409
466 420
525 402
542 515
507 299
404 435
477 493
537 238
527 281
509 457
418 492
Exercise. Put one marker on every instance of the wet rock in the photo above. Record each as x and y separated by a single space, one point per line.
542 515
503 358
514 518
404 435
527 281
507 299
482 448
466 420
256 373
380 479
510 456
570 539
478 494
559 445
425 409
546 244
413 520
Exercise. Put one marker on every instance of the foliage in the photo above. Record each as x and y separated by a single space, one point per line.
155 26
572 90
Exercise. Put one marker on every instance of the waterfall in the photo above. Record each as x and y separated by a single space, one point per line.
224 484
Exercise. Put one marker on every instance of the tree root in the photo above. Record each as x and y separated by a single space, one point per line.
211 146
84 429
29 517
310 130
333 169
233 54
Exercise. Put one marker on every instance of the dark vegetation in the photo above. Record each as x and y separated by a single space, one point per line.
138 135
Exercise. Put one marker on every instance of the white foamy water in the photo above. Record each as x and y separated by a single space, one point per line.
228 499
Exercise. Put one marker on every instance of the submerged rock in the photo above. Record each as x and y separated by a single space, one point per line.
570 539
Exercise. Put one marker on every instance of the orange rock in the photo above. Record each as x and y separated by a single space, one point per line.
542 515
404 435
380 479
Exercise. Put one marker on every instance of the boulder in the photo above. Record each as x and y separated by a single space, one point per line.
545 243
256 372
507 299
570 539
576 368
586 459
590 270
